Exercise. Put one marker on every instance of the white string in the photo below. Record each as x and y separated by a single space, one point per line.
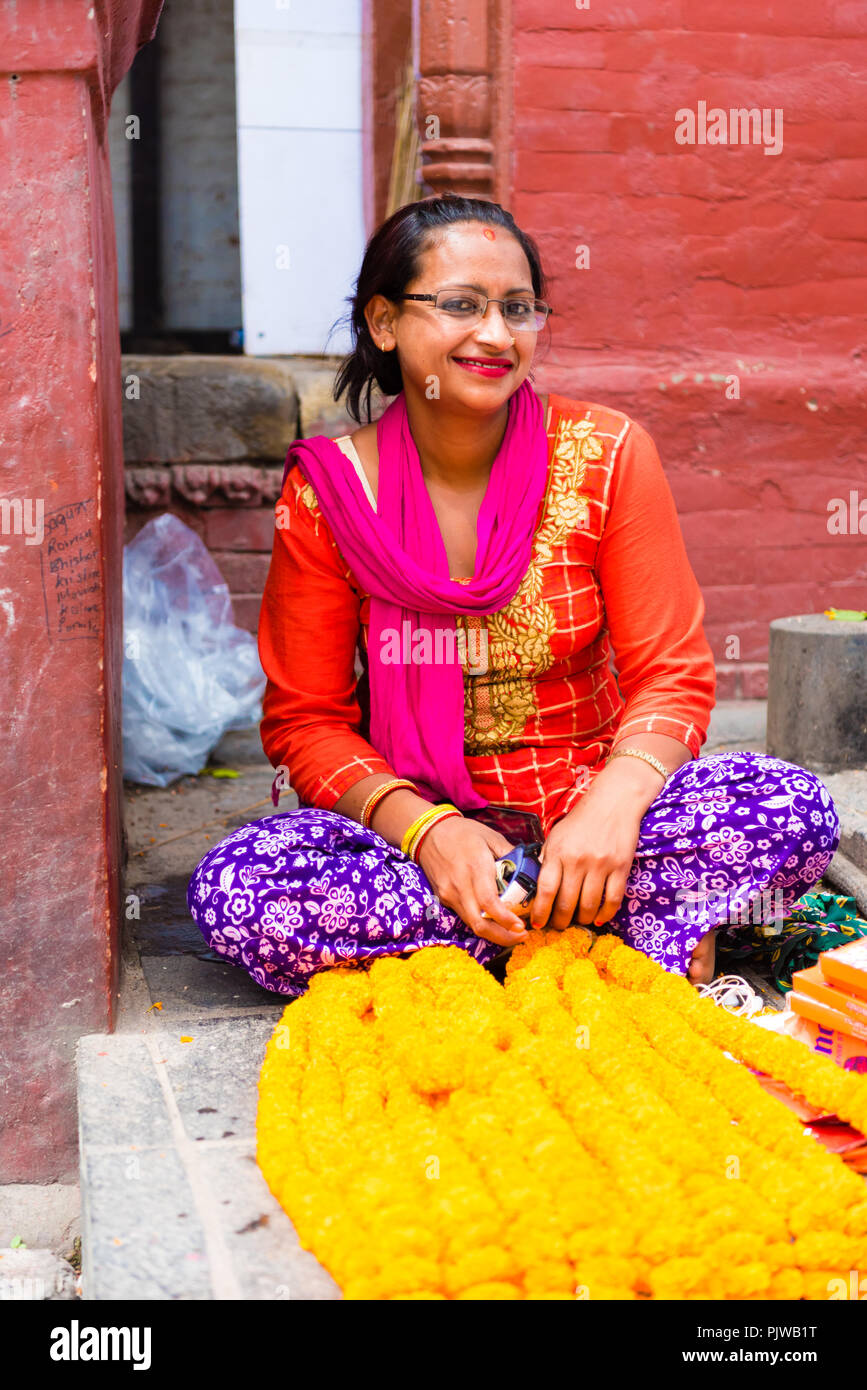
733 993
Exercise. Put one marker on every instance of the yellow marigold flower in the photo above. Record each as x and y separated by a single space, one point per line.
678 1278
404 1274
490 1292
414 1297
741 1280
602 1270
787 1284
578 1133
822 1249
549 1278
819 1284
601 949
856 1220
489 1264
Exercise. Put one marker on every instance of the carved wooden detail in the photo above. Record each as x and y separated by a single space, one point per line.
458 111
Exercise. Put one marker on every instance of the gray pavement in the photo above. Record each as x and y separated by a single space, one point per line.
174 1205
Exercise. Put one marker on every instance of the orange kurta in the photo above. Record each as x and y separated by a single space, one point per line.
542 709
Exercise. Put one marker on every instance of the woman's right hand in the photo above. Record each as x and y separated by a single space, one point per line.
457 856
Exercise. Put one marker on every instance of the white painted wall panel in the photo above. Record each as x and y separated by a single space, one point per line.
299 16
298 73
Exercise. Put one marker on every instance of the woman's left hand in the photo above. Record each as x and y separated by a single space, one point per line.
588 854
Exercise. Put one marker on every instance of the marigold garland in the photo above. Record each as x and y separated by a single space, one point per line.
580 1133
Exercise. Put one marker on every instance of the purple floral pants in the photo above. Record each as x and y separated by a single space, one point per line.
732 838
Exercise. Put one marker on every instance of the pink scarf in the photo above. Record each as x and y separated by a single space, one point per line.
397 555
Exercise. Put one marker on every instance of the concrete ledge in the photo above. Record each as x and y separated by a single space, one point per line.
318 412
196 408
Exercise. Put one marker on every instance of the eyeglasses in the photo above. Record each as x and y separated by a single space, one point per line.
468 307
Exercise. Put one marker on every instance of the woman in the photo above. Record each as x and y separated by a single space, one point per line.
481 551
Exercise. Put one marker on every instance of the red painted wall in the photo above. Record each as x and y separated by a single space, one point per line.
710 261
60 425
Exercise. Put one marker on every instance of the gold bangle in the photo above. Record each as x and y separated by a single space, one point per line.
430 814
442 813
378 793
645 757
446 813
433 812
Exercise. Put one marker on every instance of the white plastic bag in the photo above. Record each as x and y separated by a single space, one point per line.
189 673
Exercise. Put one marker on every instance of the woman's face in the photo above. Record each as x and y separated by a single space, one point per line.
473 367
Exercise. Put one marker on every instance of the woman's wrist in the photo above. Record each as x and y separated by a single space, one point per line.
632 781
396 813
415 835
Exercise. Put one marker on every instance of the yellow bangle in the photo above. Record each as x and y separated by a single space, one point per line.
445 814
432 813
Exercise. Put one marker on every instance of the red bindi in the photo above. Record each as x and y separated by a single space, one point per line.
490 234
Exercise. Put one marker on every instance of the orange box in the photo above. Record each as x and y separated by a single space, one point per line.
813 983
848 1052
846 967
829 1018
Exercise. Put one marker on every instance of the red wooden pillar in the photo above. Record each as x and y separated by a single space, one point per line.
464 91
387 36
61 515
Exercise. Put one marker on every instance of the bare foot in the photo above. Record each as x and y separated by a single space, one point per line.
703 963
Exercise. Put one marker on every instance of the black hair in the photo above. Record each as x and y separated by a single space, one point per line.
391 262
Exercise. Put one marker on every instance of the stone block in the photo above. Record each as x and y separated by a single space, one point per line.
318 412
845 877
817 692
196 408
136 519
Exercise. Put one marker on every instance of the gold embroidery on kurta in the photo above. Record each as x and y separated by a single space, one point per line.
499 703
307 497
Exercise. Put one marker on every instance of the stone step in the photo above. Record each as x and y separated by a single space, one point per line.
849 790
174 1205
